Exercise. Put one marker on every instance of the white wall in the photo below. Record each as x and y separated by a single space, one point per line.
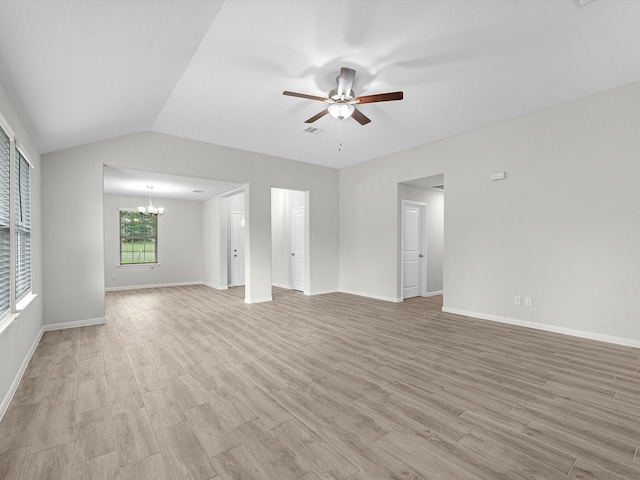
214 242
72 185
179 247
73 254
18 340
435 230
562 228
282 204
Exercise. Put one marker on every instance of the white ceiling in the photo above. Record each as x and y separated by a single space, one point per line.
83 71
120 181
426 182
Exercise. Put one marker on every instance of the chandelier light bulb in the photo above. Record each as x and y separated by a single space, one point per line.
150 210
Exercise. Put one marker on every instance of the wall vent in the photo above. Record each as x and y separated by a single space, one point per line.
313 130
197 191
582 3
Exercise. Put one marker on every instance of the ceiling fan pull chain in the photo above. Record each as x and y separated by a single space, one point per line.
340 136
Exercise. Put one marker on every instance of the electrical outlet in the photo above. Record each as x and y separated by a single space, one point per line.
527 301
437 278
113 276
516 300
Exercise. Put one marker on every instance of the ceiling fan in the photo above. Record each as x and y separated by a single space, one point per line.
342 101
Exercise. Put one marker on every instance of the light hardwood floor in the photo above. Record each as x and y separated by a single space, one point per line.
191 383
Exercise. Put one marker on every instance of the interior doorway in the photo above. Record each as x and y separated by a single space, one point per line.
421 237
289 226
192 207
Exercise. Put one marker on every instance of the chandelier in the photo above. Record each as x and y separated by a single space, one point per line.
150 210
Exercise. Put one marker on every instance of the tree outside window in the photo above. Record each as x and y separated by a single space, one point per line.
138 238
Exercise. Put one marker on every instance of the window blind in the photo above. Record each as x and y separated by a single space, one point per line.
23 224
5 220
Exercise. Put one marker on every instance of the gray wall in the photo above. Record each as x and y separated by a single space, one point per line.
72 184
19 339
562 228
180 252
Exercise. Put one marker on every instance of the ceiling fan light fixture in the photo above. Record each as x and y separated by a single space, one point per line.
341 110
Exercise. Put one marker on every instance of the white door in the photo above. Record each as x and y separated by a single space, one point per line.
237 243
297 249
412 250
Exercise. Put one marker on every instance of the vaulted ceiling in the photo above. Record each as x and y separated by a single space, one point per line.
83 71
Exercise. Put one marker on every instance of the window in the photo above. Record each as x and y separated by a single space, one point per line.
5 222
15 226
138 238
23 224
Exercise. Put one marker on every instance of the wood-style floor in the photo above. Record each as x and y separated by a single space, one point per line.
191 383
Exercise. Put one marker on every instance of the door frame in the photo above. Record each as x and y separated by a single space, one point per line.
294 211
423 273
232 225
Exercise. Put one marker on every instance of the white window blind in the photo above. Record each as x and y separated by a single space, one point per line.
23 224
5 222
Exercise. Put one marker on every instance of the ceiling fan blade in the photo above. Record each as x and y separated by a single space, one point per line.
318 116
379 97
345 81
360 117
304 95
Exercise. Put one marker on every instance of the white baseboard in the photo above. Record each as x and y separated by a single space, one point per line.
16 381
258 300
157 285
306 293
434 294
322 292
216 287
375 297
75 324
628 342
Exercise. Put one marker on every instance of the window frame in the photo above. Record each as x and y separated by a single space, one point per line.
10 308
137 237
16 303
23 227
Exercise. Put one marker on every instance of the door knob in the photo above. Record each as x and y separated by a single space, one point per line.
293 254
235 255
421 255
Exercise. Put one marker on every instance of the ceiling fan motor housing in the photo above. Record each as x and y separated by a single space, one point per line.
333 95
